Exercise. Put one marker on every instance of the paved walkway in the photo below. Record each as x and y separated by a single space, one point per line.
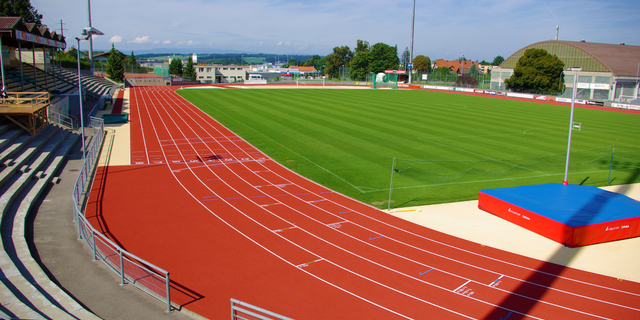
69 263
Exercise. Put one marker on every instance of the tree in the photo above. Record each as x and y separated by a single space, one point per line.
466 81
21 8
404 61
189 71
440 73
314 61
473 70
175 67
133 63
497 61
341 56
383 57
538 71
421 64
360 62
115 65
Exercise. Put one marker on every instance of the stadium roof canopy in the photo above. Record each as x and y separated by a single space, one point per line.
14 30
620 59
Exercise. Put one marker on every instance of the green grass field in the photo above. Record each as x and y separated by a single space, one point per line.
347 139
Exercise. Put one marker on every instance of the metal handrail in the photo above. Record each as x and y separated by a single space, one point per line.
80 186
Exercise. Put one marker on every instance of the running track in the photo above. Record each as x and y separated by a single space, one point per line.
229 222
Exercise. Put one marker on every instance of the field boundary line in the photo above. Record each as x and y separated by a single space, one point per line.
279 144
477 154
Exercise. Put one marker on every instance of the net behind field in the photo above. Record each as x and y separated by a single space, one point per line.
423 178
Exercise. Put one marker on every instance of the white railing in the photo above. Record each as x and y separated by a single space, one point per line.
64 120
131 269
244 311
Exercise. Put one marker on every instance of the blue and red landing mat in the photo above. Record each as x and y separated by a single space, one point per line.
573 215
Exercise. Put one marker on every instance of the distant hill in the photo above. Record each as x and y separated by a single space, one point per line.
223 58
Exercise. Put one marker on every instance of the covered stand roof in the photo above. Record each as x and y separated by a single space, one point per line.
620 59
14 30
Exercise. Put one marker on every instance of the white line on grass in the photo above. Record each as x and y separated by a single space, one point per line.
489 180
477 154
284 147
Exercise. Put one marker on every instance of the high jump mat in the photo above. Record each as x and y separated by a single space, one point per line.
573 215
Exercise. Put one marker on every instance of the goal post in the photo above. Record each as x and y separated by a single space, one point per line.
310 83
385 80
624 98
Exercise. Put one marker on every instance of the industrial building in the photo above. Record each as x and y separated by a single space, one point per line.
604 71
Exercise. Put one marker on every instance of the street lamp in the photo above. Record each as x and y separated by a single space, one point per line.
87 33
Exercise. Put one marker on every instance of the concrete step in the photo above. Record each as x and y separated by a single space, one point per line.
26 152
34 295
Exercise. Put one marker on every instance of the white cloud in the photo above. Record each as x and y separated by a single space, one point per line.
156 41
343 22
115 39
141 40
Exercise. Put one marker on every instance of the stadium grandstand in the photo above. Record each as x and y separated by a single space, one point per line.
604 71
27 68
39 130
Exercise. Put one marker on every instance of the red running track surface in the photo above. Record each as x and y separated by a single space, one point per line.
227 222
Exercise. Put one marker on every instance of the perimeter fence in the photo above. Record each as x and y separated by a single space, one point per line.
131 269
596 164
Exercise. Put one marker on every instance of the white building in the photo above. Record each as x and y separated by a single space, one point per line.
604 71
208 73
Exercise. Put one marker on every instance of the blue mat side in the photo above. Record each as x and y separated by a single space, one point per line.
573 205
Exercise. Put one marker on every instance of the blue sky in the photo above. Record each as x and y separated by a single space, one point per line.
479 30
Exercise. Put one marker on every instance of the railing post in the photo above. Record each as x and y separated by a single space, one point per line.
93 236
168 293
79 221
121 268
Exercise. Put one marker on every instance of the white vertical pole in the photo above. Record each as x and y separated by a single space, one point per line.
84 157
168 282
573 101
413 20
122 283
90 40
637 86
393 168
1 62
611 164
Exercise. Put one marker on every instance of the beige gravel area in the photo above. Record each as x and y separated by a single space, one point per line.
620 259
117 143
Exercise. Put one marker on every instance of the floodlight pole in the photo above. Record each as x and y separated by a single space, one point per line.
413 21
80 96
637 87
90 39
87 33
573 101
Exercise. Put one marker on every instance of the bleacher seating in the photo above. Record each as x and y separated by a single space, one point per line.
57 80
27 165
95 86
